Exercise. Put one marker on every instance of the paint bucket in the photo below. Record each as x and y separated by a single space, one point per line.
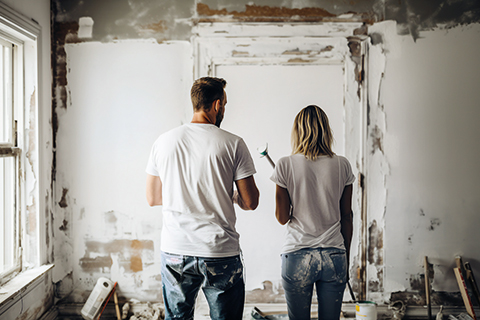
366 310
96 299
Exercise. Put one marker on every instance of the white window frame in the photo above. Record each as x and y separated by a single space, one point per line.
23 33
12 82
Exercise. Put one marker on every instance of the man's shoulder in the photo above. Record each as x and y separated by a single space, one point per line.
228 134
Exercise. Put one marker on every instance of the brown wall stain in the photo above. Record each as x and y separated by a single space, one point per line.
63 201
266 294
375 256
265 11
97 264
377 139
299 60
155 27
258 13
129 255
236 53
136 264
375 247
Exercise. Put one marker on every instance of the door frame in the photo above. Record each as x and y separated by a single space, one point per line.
234 43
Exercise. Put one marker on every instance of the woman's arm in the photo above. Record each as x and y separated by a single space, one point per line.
347 217
282 205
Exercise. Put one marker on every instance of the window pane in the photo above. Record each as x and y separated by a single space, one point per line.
6 114
7 206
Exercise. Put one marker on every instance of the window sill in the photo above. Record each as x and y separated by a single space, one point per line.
21 284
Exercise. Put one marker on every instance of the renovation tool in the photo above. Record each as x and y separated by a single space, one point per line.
351 291
427 288
96 299
257 314
263 150
270 315
117 309
439 314
106 301
473 283
463 290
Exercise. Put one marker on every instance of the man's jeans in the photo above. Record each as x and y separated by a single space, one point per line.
221 280
324 267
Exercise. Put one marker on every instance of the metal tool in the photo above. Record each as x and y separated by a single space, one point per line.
263 150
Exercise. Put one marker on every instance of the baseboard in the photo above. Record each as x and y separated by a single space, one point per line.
51 314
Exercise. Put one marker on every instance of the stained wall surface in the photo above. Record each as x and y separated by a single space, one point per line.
127 83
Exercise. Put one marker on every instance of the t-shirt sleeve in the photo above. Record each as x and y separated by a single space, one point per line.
244 166
279 174
151 166
349 176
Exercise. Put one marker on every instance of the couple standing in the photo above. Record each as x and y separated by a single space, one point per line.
192 170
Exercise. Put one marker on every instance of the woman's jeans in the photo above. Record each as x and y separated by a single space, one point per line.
221 280
324 267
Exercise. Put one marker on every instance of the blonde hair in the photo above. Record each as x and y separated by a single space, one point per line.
311 133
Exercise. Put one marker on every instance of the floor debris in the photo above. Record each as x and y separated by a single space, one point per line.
143 310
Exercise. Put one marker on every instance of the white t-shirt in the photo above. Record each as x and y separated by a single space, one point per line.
198 164
315 189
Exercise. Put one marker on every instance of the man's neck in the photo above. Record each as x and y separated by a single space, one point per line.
201 117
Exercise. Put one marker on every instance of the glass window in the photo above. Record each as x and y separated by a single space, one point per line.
9 160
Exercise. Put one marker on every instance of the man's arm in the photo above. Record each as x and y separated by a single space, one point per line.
248 194
347 217
154 191
282 205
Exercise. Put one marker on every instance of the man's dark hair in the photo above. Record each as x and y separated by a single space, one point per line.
205 91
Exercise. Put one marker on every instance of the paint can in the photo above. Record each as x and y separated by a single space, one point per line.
366 310
96 299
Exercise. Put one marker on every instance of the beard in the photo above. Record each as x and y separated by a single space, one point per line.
218 119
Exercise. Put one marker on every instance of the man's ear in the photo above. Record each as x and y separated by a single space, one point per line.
216 105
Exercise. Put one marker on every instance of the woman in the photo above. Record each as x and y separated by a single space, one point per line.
313 197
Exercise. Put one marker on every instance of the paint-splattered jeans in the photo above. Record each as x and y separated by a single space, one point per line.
326 268
221 280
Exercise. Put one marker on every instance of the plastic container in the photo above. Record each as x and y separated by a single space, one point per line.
96 299
366 310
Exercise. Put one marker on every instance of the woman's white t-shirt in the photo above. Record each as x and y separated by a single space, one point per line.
315 188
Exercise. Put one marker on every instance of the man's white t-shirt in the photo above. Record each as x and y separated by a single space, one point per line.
315 188
198 164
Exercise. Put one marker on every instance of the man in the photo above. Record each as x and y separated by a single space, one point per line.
191 172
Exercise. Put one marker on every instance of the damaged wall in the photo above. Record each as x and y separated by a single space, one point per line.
103 224
128 82
430 98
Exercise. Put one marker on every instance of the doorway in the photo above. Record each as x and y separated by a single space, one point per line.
272 72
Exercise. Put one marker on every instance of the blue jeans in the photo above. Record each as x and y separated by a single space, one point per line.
324 267
221 280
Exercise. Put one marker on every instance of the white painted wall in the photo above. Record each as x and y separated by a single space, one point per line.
430 95
122 95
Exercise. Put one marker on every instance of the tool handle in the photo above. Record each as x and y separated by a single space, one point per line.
270 160
117 309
